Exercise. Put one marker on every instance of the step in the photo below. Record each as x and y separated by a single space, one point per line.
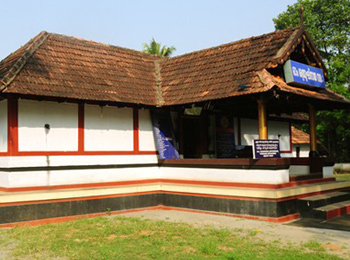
305 177
331 211
308 203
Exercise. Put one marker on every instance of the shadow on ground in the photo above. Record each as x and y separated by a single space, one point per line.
340 223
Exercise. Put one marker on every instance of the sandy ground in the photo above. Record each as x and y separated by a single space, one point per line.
334 241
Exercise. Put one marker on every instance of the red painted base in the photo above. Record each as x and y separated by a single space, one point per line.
331 214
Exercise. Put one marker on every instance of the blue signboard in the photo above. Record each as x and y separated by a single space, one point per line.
302 74
164 135
225 137
266 149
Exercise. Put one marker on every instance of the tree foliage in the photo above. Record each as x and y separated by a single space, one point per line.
155 48
328 23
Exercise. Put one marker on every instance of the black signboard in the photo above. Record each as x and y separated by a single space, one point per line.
266 149
225 137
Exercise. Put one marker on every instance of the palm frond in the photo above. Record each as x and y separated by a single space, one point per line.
156 48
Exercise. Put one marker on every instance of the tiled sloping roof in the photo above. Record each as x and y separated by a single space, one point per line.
53 65
78 69
218 72
299 137
323 94
12 64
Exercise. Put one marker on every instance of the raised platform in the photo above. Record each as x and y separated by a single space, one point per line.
273 204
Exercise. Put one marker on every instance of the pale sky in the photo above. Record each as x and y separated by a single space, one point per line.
188 25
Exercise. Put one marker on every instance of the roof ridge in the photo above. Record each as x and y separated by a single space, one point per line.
288 47
18 65
265 78
159 90
290 43
104 44
232 42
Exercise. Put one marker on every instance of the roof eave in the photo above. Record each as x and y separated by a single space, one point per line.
291 44
21 61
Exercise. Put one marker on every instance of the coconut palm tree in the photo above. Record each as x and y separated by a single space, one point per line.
156 49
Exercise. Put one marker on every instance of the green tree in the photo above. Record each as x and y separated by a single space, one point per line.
155 48
328 23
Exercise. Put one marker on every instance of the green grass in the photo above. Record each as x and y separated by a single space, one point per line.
342 177
131 238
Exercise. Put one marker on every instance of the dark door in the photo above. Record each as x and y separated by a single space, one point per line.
191 137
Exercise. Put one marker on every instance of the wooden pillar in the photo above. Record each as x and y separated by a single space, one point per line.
136 130
262 119
312 125
81 127
12 125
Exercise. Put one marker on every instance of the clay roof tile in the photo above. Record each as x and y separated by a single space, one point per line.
53 65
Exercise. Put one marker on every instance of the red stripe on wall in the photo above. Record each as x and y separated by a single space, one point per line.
167 181
12 126
248 198
136 130
84 153
81 126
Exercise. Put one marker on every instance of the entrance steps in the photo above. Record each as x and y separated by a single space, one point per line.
306 177
325 206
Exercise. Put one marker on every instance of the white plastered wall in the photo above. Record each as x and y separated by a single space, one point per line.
299 170
280 130
328 171
130 167
70 177
304 150
81 160
108 129
146 137
132 172
3 125
226 175
62 119
250 131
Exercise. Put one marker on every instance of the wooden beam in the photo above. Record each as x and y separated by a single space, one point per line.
305 55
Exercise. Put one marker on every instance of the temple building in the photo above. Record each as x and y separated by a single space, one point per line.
87 127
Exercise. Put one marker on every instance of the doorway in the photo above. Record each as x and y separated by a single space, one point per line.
192 139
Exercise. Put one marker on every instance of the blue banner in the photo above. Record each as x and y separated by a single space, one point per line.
164 135
302 74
